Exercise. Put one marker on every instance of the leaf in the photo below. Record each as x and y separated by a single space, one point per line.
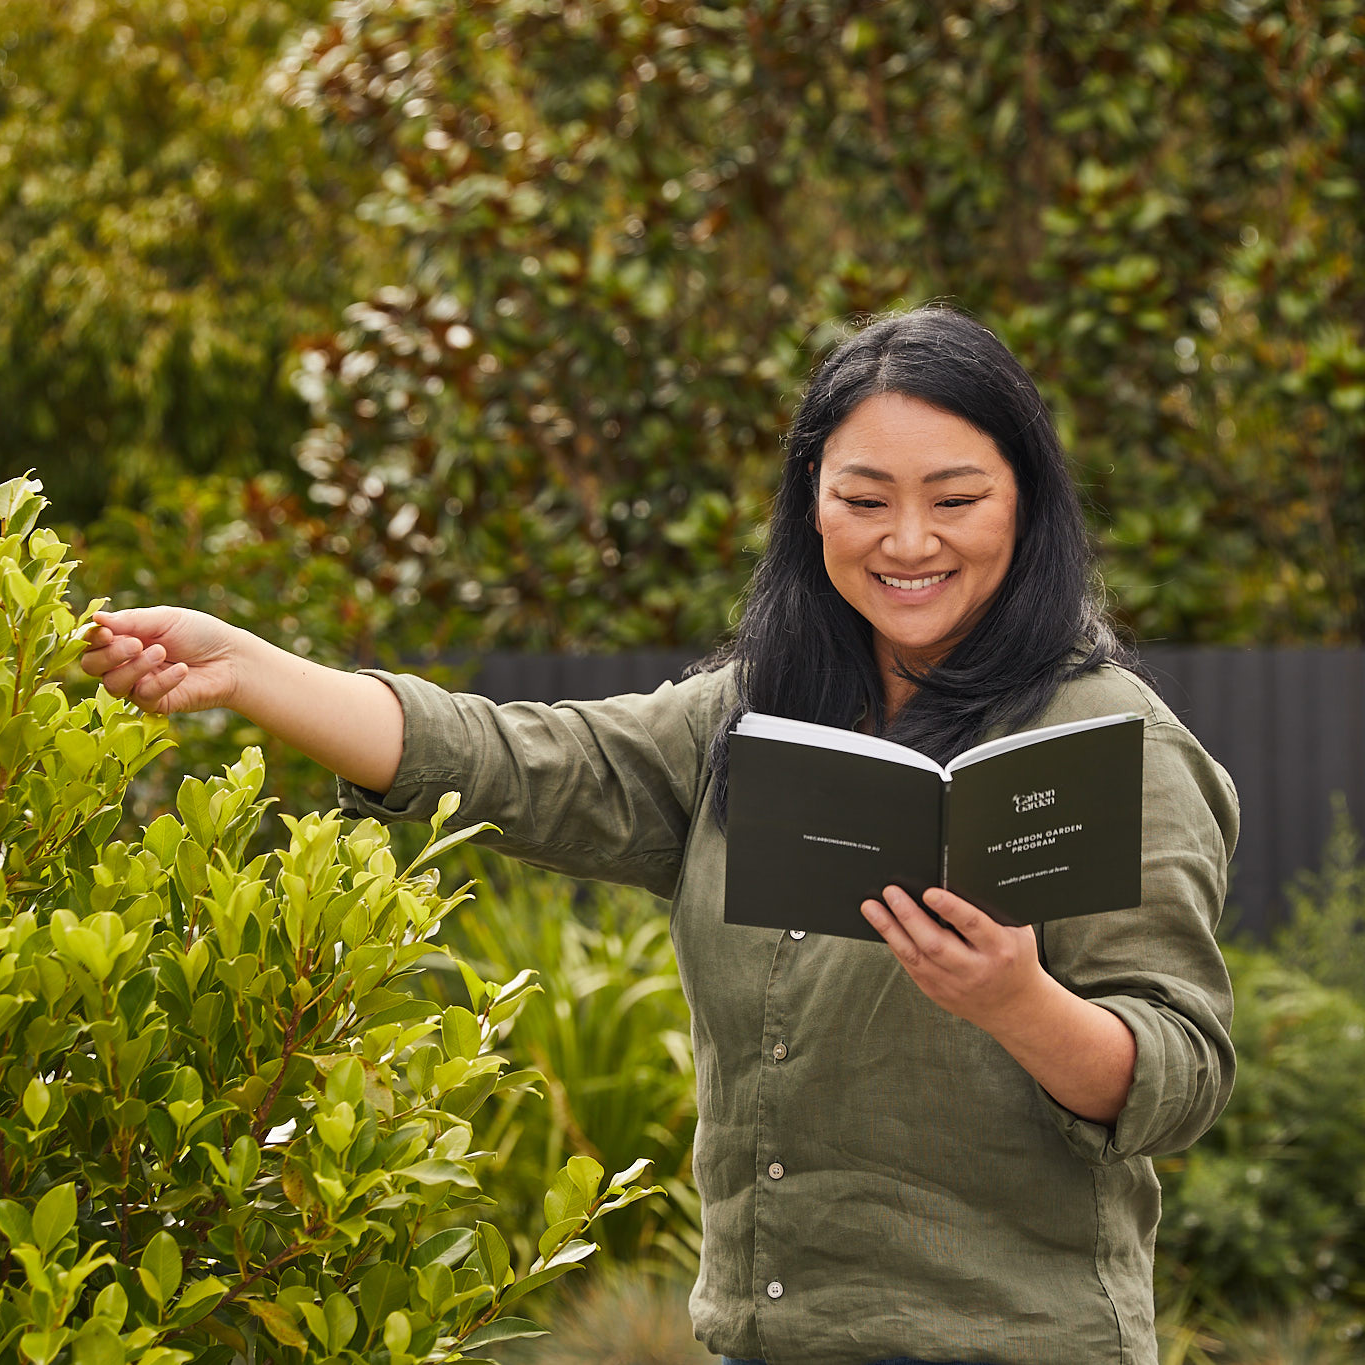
448 1247
162 839
383 1287
474 983
36 1100
497 1260
199 1298
96 1344
244 1161
15 1222
192 801
397 1333
438 1173
460 1034
79 749
346 1081
503 1329
632 1172
279 1322
571 1255
341 1322
54 1216
111 1304
556 1232
586 1174
630 1196
450 841
161 1260
421 1068
42 1347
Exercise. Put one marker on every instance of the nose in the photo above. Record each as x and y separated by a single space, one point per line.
910 538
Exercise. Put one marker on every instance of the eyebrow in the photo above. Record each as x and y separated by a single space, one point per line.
866 471
957 471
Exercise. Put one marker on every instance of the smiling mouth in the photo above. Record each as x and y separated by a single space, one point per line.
913 583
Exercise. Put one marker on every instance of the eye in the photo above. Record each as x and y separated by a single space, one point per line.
958 502
866 503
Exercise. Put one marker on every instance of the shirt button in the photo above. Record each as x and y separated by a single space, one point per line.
775 1290
796 933
779 1051
777 1170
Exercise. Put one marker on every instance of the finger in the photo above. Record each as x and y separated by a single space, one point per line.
102 659
154 689
890 928
908 931
124 677
917 921
146 623
970 924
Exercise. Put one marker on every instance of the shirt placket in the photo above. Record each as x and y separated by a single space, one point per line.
778 1100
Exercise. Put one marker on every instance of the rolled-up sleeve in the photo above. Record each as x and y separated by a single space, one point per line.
600 789
1159 967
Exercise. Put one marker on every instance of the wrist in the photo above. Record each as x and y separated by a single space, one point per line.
1023 1012
248 663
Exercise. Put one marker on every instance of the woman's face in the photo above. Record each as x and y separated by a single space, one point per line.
917 510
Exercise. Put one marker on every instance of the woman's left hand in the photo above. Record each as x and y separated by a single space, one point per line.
985 972
989 974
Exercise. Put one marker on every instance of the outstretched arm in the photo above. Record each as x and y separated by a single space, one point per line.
167 659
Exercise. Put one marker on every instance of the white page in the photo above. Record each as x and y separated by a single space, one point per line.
830 737
1004 744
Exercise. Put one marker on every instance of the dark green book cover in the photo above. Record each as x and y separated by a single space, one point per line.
1038 826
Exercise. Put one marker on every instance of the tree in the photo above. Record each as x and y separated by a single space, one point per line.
168 230
629 225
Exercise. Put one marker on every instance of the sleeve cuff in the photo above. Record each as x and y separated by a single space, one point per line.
417 785
1158 1101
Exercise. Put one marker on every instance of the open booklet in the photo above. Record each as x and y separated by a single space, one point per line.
1031 827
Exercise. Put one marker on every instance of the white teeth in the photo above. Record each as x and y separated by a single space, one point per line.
912 582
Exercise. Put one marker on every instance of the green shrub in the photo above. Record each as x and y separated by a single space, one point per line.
1324 934
610 1037
1266 1212
228 1129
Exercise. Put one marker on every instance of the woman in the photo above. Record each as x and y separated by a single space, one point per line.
935 1150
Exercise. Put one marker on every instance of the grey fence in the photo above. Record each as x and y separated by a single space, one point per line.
1288 724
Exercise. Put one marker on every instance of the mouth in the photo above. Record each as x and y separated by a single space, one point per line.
913 584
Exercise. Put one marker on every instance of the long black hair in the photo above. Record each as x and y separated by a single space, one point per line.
802 651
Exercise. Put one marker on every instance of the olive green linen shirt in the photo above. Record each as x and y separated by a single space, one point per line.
878 1177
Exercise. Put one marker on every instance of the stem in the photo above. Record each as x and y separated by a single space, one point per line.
262 1124
274 1263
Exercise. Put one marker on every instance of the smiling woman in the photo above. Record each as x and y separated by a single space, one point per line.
921 425
936 1148
916 510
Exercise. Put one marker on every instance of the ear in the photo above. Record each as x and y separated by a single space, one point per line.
814 498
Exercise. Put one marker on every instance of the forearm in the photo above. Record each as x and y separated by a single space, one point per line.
1080 1053
348 722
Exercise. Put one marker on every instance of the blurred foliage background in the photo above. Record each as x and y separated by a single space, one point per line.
393 330
501 307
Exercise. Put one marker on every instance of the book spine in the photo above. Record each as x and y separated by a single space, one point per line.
943 827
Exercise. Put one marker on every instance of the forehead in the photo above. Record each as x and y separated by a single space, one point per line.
890 436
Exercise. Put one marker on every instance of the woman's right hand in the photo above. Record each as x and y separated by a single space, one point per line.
164 659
